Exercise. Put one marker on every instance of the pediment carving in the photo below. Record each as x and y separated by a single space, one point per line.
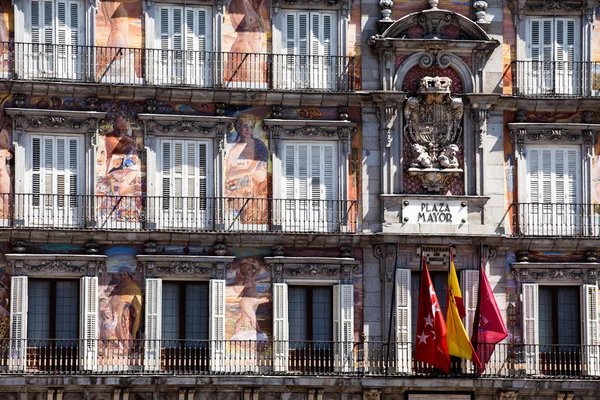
183 125
54 120
563 273
181 266
341 269
61 265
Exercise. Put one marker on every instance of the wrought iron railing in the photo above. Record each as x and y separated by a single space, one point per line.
189 214
557 219
555 78
264 357
157 67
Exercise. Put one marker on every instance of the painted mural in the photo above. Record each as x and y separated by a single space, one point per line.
246 167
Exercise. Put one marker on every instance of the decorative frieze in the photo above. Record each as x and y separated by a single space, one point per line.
330 268
566 273
185 266
59 265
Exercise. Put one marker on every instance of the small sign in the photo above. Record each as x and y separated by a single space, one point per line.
437 255
428 212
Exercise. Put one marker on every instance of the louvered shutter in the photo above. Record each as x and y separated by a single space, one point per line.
89 323
153 314
37 29
217 325
166 174
589 310
403 322
280 327
18 323
529 303
470 292
316 36
48 23
343 327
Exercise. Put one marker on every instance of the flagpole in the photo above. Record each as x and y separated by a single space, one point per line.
393 303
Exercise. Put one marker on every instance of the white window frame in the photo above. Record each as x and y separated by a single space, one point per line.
343 324
589 331
55 209
545 76
564 217
48 60
311 68
190 66
180 212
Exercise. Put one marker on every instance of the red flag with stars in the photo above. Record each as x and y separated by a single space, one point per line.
431 346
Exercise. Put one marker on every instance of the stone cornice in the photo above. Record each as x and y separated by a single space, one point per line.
58 265
183 125
33 119
317 268
182 266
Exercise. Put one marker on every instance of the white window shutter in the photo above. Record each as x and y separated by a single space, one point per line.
153 329
303 34
280 327
74 23
530 305
165 28
48 22
36 27
589 310
89 322
166 170
217 325
62 28
343 327
470 292
18 323
403 322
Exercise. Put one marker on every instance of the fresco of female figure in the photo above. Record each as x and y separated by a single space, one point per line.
246 171
249 24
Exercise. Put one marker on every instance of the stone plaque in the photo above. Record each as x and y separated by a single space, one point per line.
432 212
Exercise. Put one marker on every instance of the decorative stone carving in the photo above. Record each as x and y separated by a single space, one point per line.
523 255
208 267
91 247
479 113
19 246
372 394
386 254
343 113
311 267
433 128
387 116
386 9
278 251
19 99
220 249
480 11
276 111
151 105
590 256
509 395
556 274
346 251
55 264
150 247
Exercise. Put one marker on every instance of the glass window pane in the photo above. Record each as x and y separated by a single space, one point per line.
297 313
322 313
170 312
38 313
67 309
196 311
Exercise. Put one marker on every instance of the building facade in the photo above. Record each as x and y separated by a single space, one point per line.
229 200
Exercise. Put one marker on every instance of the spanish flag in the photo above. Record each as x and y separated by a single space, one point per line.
458 341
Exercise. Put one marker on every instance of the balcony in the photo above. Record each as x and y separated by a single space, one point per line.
555 78
184 214
556 220
176 68
197 357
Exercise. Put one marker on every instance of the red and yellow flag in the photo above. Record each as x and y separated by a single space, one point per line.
458 341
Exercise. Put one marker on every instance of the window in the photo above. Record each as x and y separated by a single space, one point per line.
553 190
54 174
552 50
55 35
185 325
183 37
185 183
53 323
313 328
553 330
309 45
407 308
310 187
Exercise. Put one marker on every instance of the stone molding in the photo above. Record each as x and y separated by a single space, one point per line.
564 273
312 268
181 266
56 265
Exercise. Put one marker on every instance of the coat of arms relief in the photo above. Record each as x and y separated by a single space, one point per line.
433 129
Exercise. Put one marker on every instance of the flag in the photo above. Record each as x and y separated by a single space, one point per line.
431 344
458 340
488 327
454 289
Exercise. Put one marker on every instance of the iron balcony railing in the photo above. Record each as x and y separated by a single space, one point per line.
308 358
557 219
157 67
555 78
188 214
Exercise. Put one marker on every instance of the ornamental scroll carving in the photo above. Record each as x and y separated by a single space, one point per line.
56 267
433 130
